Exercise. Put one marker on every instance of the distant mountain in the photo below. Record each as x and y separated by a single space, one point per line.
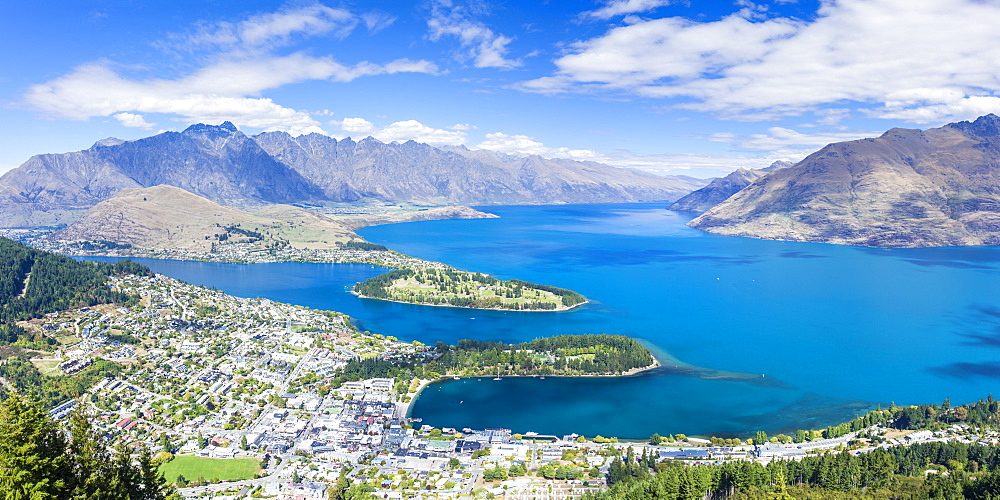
217 162
167 217
417 173
223 165
719 190
906 188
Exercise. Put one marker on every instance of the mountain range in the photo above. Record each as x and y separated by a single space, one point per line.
905 188
220 163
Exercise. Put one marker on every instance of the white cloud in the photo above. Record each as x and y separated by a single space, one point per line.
786 143
696 165
215 92
229 87
377 21
614 8
133 120
484 47
268 30
280 26
522 144
356 125
414 130
402 131
919 61
462 126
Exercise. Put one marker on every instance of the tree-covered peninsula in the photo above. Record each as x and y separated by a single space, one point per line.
451 287
561 355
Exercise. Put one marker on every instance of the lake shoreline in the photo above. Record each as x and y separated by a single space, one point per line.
424 383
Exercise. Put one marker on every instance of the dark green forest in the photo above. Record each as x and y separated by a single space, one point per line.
960 471
35 282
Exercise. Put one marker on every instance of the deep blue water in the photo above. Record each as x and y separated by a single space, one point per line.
832 329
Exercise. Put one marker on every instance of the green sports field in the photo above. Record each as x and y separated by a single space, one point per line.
225 469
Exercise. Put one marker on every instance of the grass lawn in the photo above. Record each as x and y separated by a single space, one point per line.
225 469
67 339
48 367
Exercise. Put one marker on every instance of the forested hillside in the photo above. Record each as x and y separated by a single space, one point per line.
34 282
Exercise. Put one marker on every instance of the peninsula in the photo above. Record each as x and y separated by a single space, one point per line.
451 287
561 356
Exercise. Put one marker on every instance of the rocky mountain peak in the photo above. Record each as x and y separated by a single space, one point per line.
984 126
110 141
225 128
777 165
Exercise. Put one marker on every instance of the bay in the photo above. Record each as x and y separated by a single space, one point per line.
831 330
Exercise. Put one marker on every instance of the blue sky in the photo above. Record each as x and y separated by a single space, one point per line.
674 87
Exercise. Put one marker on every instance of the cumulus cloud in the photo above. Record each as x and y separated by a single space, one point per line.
221 91
414 130
479 43
615 8
524 145
356 125
133 120
228 87
919 61
402 131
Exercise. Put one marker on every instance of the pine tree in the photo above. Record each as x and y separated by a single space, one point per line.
39 461
33 462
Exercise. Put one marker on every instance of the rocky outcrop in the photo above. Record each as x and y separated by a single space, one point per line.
906 188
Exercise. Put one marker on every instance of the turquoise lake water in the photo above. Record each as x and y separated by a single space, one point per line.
787 335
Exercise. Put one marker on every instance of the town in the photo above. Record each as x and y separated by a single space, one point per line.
252 388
